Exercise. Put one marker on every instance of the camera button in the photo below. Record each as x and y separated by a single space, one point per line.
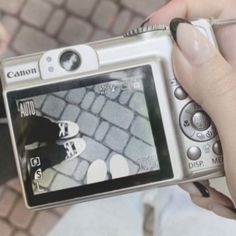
49 59
194 153
180 93
201 121
50 69
217 148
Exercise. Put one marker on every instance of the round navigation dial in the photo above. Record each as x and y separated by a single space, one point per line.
145 29
70 60
196 124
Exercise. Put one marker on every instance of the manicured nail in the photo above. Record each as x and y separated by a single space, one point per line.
145 22
232 209
174 26
193 44
202 189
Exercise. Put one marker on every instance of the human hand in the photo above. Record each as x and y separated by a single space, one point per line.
210 80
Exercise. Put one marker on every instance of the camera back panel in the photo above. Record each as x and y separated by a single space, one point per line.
123 97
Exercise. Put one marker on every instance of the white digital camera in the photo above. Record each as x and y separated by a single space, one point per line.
106 118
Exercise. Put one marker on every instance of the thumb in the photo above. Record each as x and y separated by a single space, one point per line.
211 81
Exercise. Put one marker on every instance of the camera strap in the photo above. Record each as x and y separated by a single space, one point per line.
214 21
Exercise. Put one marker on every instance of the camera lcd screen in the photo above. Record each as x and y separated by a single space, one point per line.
90 135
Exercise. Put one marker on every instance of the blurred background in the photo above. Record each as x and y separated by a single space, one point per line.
38 25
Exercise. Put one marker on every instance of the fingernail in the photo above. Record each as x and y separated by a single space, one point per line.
191 189
145 22
232 209
193 44
174 26
202 189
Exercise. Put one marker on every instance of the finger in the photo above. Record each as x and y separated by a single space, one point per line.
205 194
192 9
223 211
189 9
217 203
210 199
211 82
202 71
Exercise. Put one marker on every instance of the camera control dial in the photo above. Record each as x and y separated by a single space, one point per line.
196 124
145 29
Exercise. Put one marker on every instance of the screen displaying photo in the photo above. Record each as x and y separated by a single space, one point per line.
86 134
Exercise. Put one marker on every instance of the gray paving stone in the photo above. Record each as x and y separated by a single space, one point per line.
124 97
60 94
38 101
53 106
61 180
36 12
88 100
7 53
11 6
141 128
136 22
88 123
48 176
81 7
133 168
70 113
94 150
81 170
117 114
105 14
122 22
75 96
138 103
29 40
143 7
11 24
75 31
1 191
101 131
67 167
136 149
55 22
100 35
57 2
98 104
116 139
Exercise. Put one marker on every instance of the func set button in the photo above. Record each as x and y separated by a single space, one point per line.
201 121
